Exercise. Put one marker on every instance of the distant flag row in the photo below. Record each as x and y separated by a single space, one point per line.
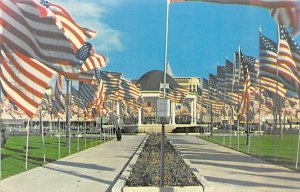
266 81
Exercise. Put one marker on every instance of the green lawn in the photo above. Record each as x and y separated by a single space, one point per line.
14 152
270 147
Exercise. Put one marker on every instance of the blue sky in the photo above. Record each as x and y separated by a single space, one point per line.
131 33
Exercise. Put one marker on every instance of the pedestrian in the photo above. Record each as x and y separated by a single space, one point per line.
120 124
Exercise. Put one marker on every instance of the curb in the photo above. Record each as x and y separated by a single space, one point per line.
124 174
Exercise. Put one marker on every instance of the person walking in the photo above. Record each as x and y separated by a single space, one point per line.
120 124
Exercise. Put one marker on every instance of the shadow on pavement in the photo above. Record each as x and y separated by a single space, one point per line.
83 165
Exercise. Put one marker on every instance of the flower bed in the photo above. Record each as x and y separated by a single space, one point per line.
145 172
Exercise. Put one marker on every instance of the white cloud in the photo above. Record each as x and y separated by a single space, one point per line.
90 14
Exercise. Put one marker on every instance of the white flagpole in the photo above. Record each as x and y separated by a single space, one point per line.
27 142
1 128
277 96
238 120
298 146
231 103
84 130
58 137
164 96
43 139
258 75
78 120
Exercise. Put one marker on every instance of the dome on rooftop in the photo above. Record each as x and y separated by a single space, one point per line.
151 80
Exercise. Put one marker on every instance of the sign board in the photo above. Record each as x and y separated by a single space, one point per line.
164 86
163 108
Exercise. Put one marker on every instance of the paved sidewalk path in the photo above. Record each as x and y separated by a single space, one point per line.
92 170
228 170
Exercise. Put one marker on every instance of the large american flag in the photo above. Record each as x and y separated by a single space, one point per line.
77 35
295 50
287 68
285 12
268 67
24 30
23 80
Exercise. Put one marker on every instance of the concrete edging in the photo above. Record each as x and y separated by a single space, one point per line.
119 185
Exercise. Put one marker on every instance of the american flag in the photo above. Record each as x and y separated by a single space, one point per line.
176 94
77 35
213 94
205 90
239 79
229 74
229 80
268 65
58 104
221 78
84 51
245 103
285 12
77 100
101 92
23 80
87 92
287 68
112 82
12 109
272 86
24 30
249 62
129 91
295 50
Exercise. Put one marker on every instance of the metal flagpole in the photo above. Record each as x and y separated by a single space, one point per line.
27 142
258 75
67 115
239 74
69 119
78 120
43 139
51 131
224 106
277 95
85 130
164 96
0 147
58 137
231 104
298 146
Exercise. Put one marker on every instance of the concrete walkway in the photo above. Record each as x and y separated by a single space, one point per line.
93 170
228 170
